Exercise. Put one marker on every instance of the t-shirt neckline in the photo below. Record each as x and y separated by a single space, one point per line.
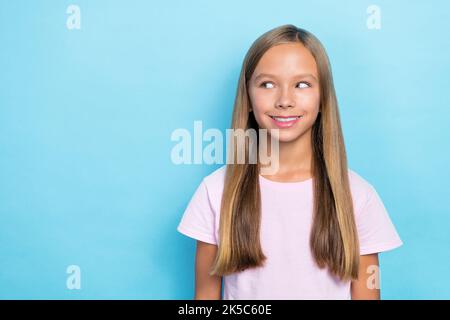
290 183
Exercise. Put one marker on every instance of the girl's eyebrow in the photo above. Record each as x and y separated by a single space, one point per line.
302 75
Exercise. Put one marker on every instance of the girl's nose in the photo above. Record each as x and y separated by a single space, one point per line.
285 99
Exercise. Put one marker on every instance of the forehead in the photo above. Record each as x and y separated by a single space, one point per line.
287 59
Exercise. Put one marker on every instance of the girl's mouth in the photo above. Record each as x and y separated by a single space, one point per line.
285 122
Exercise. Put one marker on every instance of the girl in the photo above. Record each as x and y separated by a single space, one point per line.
312 230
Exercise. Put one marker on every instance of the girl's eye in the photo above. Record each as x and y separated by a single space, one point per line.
265 83
269 85
304 84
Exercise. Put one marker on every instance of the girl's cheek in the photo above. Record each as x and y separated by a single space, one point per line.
307 101
263 101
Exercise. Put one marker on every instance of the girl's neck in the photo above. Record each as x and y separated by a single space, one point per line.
294 158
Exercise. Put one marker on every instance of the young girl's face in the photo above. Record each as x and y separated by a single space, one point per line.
284 91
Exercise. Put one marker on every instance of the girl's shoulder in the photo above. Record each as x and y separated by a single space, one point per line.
358 182
362 190
216 178
214 184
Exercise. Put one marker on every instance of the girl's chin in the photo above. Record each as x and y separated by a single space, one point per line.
284 136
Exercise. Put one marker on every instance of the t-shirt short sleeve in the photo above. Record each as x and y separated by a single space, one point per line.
198 220
376 231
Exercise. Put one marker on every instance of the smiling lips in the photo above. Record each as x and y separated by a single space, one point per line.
285 122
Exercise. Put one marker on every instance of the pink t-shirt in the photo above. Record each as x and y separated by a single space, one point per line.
290 271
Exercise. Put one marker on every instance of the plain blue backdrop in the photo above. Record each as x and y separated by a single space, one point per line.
86 117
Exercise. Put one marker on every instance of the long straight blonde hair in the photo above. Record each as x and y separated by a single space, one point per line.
334 241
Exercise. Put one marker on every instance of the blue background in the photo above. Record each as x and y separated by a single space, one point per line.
86 117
